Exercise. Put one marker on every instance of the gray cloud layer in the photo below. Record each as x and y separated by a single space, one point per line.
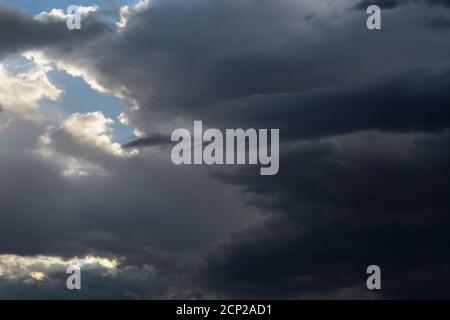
363 177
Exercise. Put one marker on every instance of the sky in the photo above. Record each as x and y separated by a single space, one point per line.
86 174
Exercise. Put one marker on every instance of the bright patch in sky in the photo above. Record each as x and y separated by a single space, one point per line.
70 102
73 87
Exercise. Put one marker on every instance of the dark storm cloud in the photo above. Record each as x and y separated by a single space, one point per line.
443 3
411 102
179 69
440 23
337 208
192 67
97 213
153 140
414 101
21 32
391 4
374 196
123 215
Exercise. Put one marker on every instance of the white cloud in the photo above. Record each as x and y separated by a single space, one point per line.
60 15
45 277
93 128
38 268
40 59
38 276
126 12
21 93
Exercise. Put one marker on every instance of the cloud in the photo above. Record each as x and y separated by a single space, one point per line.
169 76
127 11
391 4
20 268
363 168
440 23
339 206
39 59
21 93
154 140
384 4
92 128
34 34
82 145
124 213
167 79
60 15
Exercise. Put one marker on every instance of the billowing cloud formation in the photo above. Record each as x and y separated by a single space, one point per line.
21 93
60 15
19 32
82 144
14 267
363 177
44 277
127 11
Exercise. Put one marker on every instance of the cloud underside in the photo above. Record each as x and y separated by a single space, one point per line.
364 129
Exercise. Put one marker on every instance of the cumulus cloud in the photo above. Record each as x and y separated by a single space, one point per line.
39 59
34 34
93 128
24 268
44 277
391 4
82 144
60 15
20 94
127 11
123 213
